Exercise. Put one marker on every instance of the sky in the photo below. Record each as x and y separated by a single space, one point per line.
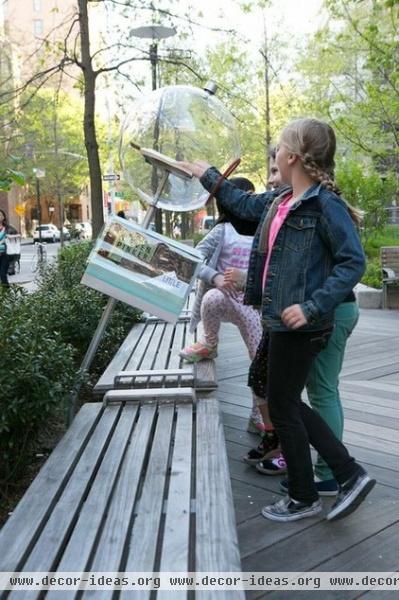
293 20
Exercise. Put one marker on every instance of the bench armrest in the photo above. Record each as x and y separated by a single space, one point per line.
389 273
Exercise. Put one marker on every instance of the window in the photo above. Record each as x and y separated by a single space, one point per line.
38 26
37 5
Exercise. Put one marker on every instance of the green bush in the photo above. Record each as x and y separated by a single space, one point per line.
37 369
363 186
44 337
373 274
75 310
389 236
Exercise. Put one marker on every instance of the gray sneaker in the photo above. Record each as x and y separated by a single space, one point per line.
351 494
287 509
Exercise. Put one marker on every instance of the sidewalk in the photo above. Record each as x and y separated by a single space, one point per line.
368 540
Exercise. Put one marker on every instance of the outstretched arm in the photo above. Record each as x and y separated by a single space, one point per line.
242 204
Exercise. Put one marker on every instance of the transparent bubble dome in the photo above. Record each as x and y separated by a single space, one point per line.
185 123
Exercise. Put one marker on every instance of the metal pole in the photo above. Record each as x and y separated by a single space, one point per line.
38 208
154 62
99 332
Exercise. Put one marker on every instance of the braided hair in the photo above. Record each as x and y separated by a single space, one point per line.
314 142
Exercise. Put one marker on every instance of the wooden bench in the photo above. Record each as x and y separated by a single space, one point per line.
149 357
141 486
390 276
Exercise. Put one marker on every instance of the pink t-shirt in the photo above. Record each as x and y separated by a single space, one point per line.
236 250
275 227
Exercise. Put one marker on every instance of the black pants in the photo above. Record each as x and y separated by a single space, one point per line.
3 268
290 356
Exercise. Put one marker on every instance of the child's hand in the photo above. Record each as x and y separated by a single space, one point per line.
233 276
197 168
293 317
218 281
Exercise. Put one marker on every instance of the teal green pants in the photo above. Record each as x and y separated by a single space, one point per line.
323 382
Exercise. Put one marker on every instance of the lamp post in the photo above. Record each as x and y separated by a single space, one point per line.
155 33
39 173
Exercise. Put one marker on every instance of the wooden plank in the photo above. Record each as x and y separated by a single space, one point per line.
205 375
175 544
148 394
153 346
216 538
45 555
379 552
376 444
78 552
175 362
16 538
120 360
153 377
144 536
138 352
366 429
322 540
115 531
162 358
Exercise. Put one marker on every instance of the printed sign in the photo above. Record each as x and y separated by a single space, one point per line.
142 268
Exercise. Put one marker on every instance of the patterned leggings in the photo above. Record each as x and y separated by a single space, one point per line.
218 307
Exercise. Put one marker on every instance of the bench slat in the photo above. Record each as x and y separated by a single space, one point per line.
215 512
16 539
115 530
121 359
175 361
175 554
148 359
205 370
49 546
136 357
148 394
80 545
163 355
141 555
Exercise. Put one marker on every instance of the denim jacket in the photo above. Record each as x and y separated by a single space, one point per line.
316 260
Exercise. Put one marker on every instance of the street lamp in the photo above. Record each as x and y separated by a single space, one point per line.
155 33
39 173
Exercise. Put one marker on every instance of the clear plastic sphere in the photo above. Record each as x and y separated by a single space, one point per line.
184 123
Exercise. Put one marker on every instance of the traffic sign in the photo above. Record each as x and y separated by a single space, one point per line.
111 177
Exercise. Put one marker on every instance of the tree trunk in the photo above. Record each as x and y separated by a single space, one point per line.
96 192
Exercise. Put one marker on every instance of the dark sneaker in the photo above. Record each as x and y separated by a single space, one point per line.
329 487
273 466
268 447
288 509
351 494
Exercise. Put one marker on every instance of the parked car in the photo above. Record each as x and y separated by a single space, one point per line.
84 230
207 223
66 234
48 233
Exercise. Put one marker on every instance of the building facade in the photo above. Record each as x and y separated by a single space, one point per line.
34 31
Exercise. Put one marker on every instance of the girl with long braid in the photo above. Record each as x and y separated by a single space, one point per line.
305 260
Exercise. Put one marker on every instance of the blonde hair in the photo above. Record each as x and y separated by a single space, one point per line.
314 142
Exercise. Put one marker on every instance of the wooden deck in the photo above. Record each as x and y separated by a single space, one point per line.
368 540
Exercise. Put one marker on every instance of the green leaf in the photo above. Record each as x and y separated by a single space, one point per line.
16 176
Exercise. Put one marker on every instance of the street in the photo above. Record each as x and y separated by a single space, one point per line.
28 251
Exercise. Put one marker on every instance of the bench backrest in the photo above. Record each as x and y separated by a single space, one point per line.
390 258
